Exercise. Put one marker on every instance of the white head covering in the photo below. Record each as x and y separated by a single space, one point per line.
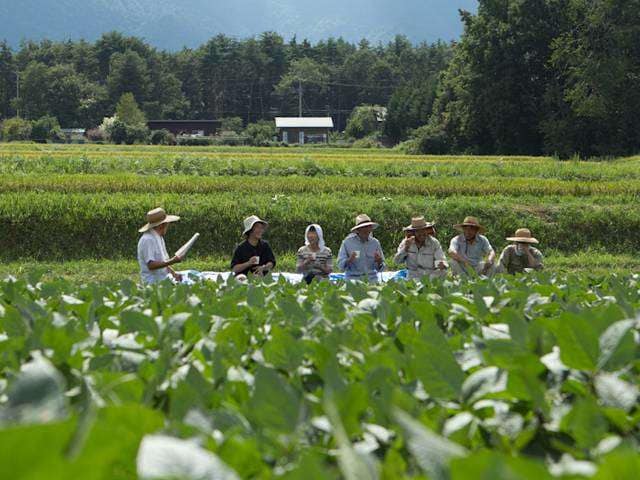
318 230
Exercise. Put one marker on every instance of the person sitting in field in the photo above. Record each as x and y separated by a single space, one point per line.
360 255
471 251
521 256
154 261
253 255
421 252
315 259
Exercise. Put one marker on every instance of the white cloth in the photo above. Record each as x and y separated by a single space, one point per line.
151 247
318 229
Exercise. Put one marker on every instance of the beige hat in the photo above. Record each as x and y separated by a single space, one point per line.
249 222
418 223
157 217
470 222
523 235
362 221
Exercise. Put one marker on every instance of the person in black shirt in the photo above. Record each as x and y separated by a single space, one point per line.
254 255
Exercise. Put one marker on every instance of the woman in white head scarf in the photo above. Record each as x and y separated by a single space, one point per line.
314 258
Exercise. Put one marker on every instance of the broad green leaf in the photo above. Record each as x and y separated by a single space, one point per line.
435 365
585 423
354 465
275 404
432 452
283 351
578 341
493 466
137 322
617 346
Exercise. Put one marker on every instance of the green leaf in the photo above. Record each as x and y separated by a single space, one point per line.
275 404
493 466
578 341
435 365
617 346
585 423
283 350
137 322
432 452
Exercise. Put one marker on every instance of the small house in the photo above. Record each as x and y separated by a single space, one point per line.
73 135
302 130
194 128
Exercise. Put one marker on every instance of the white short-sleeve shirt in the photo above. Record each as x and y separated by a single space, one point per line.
151 247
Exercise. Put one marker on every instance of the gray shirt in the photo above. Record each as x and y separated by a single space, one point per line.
475 251
423 260
364 267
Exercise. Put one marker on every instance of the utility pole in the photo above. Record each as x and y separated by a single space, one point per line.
299 98
17 94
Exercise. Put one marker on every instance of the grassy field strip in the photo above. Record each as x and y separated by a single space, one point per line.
128 183
592 263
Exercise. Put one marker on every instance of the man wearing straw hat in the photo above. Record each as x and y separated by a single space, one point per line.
520 256
154 261
422 252
471 250
360 255
254 255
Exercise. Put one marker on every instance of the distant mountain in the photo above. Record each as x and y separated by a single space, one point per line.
174 24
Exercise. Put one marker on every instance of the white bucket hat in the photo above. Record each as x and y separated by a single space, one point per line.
157 217
249 222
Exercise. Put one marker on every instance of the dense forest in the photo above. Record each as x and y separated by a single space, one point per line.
527 77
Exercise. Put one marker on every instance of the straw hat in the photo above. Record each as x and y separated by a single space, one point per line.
418 223
157 217
249 222
362 221
523 235
470 222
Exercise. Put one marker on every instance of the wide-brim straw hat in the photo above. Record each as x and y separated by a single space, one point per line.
249 223
362 221
470 222
418 223
523 235
157 217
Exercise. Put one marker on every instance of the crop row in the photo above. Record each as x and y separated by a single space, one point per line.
528 378
428 187
55 225
274 164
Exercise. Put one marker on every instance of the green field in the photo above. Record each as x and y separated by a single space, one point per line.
60 204
504 378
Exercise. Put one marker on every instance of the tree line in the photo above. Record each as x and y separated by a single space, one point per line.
527 77
256 78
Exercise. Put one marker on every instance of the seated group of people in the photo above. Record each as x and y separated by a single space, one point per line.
360 256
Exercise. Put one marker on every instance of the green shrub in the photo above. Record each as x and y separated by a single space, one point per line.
261 133
16 129
120 132
163 137
46 129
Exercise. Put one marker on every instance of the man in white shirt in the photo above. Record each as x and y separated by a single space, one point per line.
154 261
